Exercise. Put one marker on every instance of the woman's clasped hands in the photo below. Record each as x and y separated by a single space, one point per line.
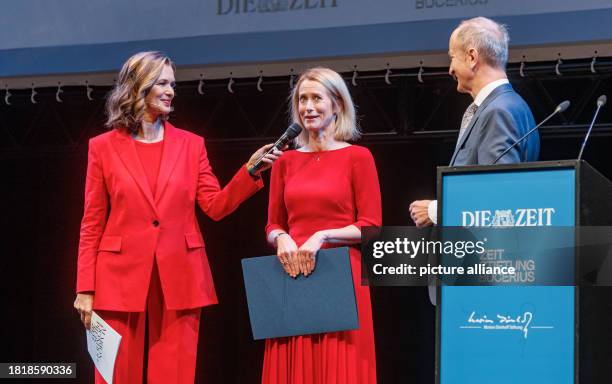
298 260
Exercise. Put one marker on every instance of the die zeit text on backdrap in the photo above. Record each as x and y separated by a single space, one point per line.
225 7
403 246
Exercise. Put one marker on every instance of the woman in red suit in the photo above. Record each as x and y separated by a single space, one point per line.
320 196
142 261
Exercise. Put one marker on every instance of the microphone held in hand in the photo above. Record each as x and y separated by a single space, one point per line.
601 101
560 108
291 133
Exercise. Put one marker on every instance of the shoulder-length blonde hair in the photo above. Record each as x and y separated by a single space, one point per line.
125 104
346 127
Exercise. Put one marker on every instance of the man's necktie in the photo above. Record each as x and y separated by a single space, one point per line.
467 118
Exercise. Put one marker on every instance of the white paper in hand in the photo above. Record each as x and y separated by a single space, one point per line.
103 345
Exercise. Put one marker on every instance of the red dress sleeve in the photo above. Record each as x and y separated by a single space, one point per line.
93 222
216 202
277 211
366 190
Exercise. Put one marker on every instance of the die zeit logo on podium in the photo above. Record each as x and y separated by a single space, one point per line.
521 217
225 7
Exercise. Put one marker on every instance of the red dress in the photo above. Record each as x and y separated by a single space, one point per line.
312 191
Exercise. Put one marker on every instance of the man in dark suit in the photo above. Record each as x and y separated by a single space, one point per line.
498 116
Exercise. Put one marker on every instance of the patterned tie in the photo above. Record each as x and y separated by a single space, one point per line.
467 118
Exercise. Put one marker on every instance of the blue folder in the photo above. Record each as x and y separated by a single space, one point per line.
280 305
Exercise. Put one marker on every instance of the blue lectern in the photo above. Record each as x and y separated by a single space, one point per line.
565 332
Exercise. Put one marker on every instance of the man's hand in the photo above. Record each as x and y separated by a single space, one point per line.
419 214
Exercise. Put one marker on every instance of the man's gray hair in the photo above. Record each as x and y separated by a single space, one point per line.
489 38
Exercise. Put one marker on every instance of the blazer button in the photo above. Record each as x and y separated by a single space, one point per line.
155 223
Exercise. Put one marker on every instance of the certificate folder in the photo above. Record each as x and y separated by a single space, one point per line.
280 305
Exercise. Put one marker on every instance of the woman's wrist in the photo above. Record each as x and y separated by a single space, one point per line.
255 174
323 235
275 239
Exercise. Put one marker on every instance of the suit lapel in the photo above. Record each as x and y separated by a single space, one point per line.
126 149
173 146
496 92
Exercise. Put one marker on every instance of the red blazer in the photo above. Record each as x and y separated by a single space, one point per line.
125 227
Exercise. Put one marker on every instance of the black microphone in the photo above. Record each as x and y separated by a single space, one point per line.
291 133
601 101
560 108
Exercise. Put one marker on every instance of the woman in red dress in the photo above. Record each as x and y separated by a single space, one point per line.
320 196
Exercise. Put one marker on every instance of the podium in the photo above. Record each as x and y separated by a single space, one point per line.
570 327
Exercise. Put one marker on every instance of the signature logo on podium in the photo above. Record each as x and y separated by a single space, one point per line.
503 322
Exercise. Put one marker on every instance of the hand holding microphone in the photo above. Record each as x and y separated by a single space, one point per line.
266 155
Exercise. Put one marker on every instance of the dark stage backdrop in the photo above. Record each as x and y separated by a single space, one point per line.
43 152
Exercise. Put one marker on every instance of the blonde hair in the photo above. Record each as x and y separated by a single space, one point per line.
345 128
125 105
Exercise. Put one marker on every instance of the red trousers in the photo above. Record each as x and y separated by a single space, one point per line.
173 341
